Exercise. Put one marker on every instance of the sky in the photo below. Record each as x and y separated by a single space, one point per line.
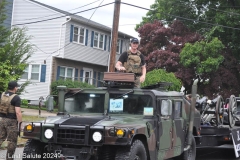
129 16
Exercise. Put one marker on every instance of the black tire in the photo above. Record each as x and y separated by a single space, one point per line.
137 151
33 148
190 154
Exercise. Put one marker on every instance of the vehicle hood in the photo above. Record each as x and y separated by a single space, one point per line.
120 121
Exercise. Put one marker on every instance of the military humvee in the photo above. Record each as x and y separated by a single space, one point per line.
118 122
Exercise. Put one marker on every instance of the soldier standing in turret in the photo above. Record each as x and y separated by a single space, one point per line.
132 61
10 116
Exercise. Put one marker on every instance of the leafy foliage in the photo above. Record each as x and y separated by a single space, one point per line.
24 102
160 75
14 52
4 32
202 55
207 59
68 84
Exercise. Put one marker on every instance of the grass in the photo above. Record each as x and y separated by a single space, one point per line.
37 108
22 141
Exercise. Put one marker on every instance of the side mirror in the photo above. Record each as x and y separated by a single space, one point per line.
166 108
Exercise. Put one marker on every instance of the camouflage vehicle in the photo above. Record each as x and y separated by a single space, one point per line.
118 122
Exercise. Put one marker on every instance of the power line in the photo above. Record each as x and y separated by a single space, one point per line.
60 27
58 50
58 13
95 10
212 24
63 15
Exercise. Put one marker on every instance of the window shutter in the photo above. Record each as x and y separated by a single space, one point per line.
99 83
105 43
76 74
109 43
71 33
92 38
43 73
121 46
94 78
81 75
58 72
86 37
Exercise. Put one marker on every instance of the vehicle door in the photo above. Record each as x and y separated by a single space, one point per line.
165 129
178 126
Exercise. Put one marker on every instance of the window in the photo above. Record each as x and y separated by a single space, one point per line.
32 72
66 73
177 110
98 40
118 45
78 35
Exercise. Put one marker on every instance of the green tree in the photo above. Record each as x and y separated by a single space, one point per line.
210 18
4 32
160 75
203 56
14 52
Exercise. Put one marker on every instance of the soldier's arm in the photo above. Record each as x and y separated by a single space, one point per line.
18 113
119 66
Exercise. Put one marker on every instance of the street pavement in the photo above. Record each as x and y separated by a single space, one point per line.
222 153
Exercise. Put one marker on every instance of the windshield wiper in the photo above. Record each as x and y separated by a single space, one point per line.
124 94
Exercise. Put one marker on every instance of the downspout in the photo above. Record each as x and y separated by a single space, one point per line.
192 112
60 36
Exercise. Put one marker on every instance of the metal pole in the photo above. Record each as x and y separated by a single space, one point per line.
61 100
114 35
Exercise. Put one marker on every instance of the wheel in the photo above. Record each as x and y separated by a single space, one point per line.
190 154
232 110
137 151
33 148
219 110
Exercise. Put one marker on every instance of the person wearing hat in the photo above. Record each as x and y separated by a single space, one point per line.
10 116
132 61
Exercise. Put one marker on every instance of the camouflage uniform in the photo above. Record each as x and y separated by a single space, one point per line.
8 126
9 131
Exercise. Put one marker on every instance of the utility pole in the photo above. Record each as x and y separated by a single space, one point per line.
114 35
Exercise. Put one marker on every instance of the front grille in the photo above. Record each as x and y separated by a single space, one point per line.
70 136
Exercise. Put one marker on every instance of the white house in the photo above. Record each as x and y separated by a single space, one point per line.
67 46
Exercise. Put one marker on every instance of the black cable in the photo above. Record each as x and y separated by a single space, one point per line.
95 10
58 50
63 15
182 17
58 13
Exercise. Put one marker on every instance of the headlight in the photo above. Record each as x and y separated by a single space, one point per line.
48 133
97 136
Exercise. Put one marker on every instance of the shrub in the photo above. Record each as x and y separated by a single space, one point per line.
160 75
68 84
24 102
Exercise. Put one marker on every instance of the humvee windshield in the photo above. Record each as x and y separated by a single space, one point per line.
94 103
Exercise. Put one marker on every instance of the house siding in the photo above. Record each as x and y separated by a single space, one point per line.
9 8
88 54
45 35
